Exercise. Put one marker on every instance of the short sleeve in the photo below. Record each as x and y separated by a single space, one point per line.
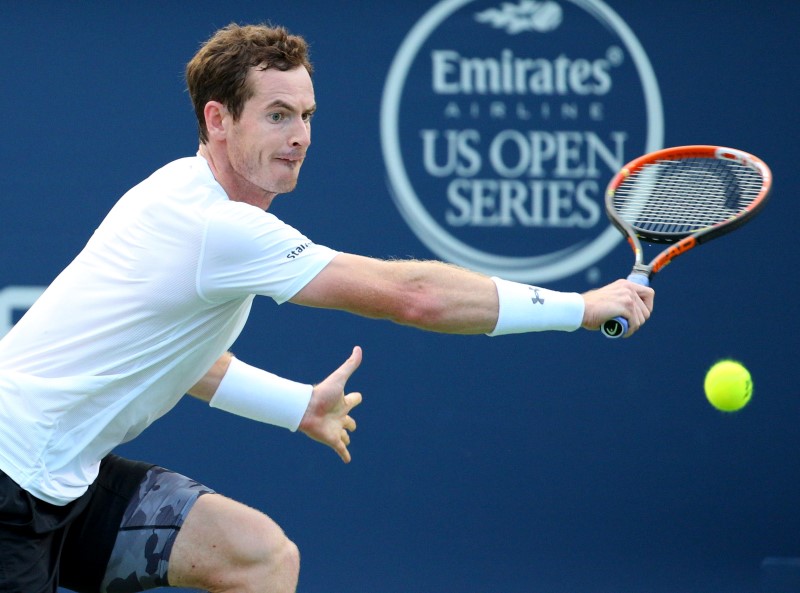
246 250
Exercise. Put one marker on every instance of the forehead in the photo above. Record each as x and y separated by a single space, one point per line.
293 87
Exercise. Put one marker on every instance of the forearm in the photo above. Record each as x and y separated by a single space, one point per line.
439 297
444 298
206 387
427 295
236 387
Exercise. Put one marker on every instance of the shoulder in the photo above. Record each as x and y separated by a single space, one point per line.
187 175
227 213
242 229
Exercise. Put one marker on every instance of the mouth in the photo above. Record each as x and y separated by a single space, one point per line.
292 158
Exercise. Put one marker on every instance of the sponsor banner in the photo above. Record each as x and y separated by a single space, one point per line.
502 123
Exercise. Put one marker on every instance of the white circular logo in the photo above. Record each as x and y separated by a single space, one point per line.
501 124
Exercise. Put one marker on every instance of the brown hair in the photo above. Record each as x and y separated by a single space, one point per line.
218 71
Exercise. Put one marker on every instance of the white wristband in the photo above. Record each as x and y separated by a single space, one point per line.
259 395
526 308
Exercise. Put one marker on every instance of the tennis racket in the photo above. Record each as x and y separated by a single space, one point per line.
682 197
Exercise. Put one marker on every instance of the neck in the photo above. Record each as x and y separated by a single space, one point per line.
236 188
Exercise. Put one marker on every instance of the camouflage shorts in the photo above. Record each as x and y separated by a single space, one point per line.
140 556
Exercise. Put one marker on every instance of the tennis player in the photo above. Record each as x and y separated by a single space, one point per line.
148 311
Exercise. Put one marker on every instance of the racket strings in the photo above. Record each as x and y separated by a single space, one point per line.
684 195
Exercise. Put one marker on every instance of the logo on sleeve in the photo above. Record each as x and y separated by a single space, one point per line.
294 253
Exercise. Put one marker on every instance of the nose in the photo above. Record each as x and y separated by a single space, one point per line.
300 136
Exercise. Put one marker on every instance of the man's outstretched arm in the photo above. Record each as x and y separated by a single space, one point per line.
444 298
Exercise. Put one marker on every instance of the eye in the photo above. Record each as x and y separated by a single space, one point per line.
276 117
307 116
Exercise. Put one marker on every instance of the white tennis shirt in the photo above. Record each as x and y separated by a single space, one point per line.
161 290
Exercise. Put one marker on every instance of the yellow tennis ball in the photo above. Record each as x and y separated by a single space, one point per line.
728 385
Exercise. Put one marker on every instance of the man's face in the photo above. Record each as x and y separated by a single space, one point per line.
268 144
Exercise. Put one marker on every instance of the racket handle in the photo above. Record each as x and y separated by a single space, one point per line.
618 327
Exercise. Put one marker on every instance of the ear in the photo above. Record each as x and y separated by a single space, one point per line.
216 115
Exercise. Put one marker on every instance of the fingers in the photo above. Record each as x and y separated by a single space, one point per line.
349 366
646 293
341 446
329 421
635 321
642 306
344 454
351 400
621 298
349 424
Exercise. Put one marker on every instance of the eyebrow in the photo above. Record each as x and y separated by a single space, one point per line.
284 105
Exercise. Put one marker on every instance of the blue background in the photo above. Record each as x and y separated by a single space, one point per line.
552 463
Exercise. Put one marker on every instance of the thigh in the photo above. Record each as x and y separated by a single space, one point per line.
123 544
226 545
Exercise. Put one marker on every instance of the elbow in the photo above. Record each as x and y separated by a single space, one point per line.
420 311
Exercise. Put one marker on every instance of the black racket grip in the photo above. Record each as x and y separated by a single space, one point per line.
618 327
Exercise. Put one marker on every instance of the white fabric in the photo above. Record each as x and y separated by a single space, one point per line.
256 394
525 308
160 291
